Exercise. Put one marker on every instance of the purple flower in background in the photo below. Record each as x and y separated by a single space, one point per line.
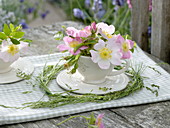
150 5
21 1
30 10
24 24
43 15
149 31
118 2
98 9
121 2
97 5
114 2
100 14
87 3
116 8
79 13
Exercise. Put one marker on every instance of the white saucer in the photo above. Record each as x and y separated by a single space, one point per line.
73 82
22 65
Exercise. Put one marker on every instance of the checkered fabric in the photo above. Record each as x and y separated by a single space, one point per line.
11 94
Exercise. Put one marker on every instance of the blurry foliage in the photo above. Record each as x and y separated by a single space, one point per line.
20 11
114 12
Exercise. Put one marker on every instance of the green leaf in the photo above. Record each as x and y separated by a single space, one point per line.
26 92
92 119
92 41
128 37
12 27
84 44
2 36
6 30
25 40
64 27
74 69
118 67
17 34
59 35
14 41
117 32
18 28
154 85
132 50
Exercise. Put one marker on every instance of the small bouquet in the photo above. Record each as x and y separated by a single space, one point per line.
99 41
12 43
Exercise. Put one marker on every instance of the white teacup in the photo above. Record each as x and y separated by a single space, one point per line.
5 66
93 74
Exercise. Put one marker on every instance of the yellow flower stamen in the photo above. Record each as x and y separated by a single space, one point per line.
99 122
125 47
73 44
105 53
107 34
13 49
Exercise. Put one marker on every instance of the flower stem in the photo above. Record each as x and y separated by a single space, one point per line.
72 118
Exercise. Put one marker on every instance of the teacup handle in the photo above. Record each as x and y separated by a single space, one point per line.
118 72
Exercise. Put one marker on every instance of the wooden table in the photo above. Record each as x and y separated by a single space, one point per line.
155 115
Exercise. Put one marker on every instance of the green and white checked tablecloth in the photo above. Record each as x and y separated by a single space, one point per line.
11 94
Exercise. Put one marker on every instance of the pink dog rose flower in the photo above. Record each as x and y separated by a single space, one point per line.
126 45
85 32
99 122
70 44
105 30
71 31
10 52
106 53
93 26
129 3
